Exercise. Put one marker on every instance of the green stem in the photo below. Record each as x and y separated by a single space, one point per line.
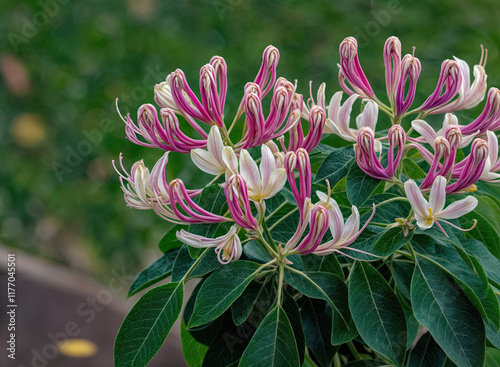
280 282
412 252
283 218
354 351
268 235
399 198
184 278
336 360
276 210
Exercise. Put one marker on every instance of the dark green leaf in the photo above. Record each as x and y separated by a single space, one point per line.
359 185
184 261
221 289
331 288
194 352
377 313
366 363
487 229
402 272
255 252
336 165
327 264
273 344
318 330
490 263
445 255
155 272
492 357
441 306
293 313
169 241
257 295
379 242
427 353
147 325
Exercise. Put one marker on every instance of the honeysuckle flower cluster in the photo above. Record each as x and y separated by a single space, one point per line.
283 140
280 222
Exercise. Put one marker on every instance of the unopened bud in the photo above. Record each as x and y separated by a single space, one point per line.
397 136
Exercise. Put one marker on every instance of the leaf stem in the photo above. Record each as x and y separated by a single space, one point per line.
336 360
184 278
354 351
280 282
276 210
283 218
399 198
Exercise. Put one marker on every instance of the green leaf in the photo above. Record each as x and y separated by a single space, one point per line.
194 352
492 357
366 363
377 313
441 306
445 255
184 261
331 288
427 353
402 272
213 199
413 170
256 296
328 264
293 313
336 165
147 325
359 185
255 252
378 241
487 229
169 241
489 262
318 330
273 344
221 289
155 272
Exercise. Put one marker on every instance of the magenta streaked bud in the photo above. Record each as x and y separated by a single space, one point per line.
163 95
239 203
267 73
397 139
392 61
318 225
191 212
397 136
454 135
209 94
299 160
220 68
489 119
410 71
350 69
254 120
317 119
442 148
472 169
450 79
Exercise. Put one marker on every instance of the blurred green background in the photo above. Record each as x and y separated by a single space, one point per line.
63 63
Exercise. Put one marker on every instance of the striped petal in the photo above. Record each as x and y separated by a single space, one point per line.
459 208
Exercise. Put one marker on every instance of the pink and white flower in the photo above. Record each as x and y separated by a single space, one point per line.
429 212
228 247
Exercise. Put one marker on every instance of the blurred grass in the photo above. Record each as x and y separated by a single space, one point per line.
60 81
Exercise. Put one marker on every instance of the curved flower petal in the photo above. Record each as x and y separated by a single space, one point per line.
459 208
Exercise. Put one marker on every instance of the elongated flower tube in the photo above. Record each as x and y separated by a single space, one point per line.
469 94
492 165
299 160
367 159
350 70
489 119
450 122
471 169
265 182
392 62
267 73
165 135
190 211
441 149
218 158
450 79
343 234
228 247
410 71
316 218
317 119
429 212
238 202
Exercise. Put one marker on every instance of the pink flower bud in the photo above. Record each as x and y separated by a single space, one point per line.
410 71
238 202
450 79
392 61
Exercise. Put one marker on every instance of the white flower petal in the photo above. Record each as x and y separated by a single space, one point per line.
250 172
275 184
267 164
459 208
206 162
215 144
437 197
417 200
424 129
